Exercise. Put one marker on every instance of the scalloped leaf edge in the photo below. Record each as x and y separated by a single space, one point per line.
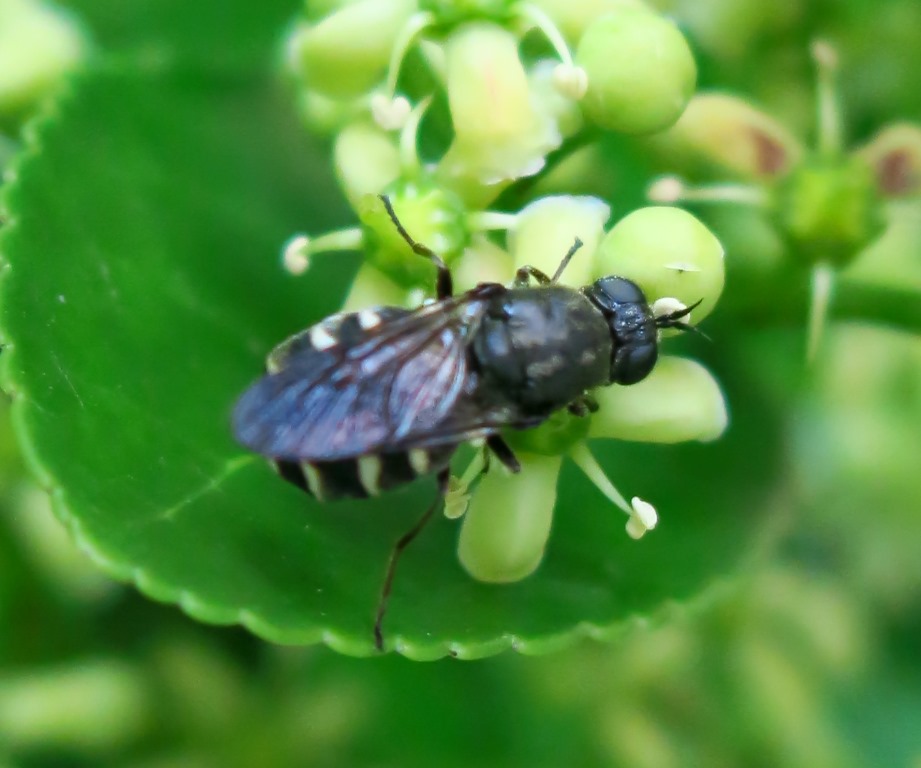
190 602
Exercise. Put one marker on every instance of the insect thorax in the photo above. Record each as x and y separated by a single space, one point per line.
540 348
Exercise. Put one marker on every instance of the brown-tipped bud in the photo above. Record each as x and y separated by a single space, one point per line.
894 154
730 133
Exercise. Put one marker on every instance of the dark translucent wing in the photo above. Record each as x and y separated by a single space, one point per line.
355 387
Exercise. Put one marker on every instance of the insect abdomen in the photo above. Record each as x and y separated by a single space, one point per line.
363 476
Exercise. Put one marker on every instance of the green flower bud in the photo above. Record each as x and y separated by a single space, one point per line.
507 525
38 45
573 17
372 288
347 53
366 159
430 214
500 133
668 253
733 135
482 262
894 154
641 73
891 261
554 437
680 400
88 706
324 115
546 229
829 209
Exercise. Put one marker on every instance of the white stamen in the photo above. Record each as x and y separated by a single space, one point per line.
570 81
458 496
642 515
668 305
456 499
295 254
671 189
643 518
390 114
668 189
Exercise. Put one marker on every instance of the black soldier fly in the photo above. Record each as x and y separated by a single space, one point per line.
364 402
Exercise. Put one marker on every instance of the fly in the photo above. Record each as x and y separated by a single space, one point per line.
367 401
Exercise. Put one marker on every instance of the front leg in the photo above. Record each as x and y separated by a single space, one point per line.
504 453
444 285
523 275
583 405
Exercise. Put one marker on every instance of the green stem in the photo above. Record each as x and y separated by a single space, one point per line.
583 459
829 123
416 24
545 24
349 239
892 307
409 139
672 190
823 281
485 221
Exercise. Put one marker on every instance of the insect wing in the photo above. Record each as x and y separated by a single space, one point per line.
375 390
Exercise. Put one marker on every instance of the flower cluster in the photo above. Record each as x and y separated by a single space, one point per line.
827 204
493 90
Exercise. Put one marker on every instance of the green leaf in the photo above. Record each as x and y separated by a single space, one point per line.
141 291
211 34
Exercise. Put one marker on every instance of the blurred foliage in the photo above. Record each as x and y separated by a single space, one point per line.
811 661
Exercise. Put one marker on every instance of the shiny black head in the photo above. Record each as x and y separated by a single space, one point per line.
634 328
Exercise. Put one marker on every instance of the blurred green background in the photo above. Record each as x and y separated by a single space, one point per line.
811 659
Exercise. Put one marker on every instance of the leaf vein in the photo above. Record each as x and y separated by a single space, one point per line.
229 469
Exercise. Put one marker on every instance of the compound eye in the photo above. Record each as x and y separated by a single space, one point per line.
618 290
633 364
